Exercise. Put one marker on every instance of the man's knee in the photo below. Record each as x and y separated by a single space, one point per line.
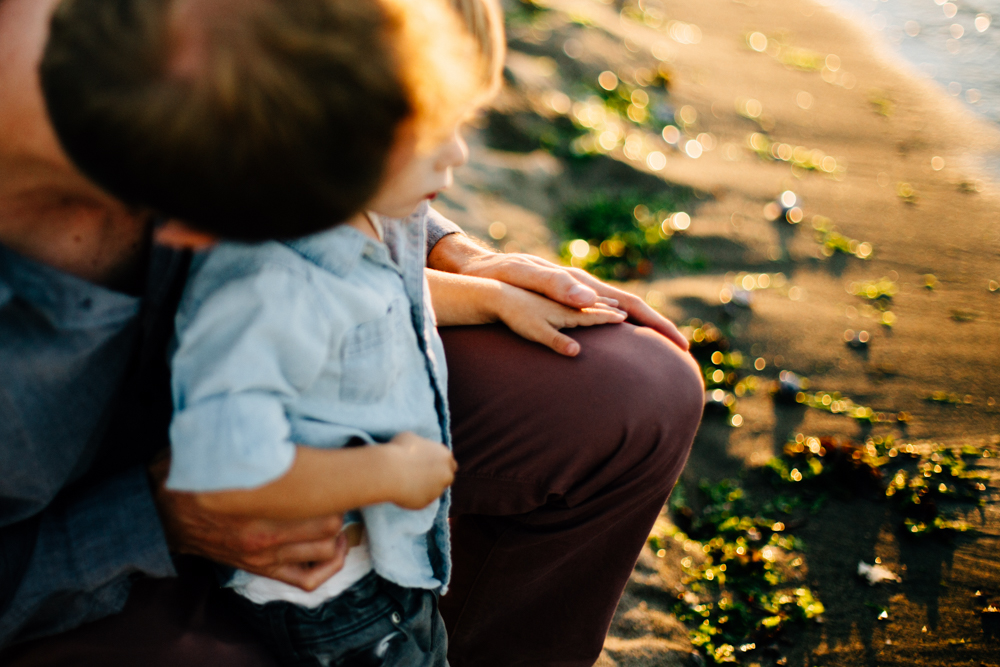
655 390
629 402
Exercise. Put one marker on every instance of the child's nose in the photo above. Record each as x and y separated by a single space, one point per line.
455 153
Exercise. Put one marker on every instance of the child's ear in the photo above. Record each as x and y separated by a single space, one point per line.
175 234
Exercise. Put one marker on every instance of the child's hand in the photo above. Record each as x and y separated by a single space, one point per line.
422 470
538 318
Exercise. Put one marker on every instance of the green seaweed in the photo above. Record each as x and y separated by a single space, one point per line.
628 236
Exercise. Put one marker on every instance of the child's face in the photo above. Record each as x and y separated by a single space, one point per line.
414 175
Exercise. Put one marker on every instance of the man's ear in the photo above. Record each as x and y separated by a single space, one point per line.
175 234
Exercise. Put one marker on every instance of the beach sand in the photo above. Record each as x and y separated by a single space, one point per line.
883 126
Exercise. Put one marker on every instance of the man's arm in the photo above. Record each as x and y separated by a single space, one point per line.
457 253
88 546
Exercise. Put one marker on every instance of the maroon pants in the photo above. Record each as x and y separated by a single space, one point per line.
564 464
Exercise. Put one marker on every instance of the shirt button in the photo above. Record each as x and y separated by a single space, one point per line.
396 618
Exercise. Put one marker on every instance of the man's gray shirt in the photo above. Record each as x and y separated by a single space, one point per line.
74 526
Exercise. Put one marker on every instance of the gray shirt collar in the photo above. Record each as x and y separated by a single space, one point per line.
66 301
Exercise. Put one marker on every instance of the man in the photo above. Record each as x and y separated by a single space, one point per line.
564 463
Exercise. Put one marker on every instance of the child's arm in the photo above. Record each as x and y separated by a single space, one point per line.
468 300
409 471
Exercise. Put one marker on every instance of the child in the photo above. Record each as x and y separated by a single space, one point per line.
309 379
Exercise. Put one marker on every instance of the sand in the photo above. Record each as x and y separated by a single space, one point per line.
883 125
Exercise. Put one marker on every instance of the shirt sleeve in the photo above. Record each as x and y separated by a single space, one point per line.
87 549
439 227
250 347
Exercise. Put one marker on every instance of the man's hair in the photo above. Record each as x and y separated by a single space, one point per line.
249 119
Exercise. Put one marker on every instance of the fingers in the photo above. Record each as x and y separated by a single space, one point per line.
600 308
306 578
309 552
589 317
309 575
262 535
573 288
541 330
563 344
578 289
546 279
576 296
637 309
670 330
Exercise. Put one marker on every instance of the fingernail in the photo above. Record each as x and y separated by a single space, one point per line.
580 293
573 349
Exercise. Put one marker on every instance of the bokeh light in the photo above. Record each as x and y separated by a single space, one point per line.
656 160
579 248
497 230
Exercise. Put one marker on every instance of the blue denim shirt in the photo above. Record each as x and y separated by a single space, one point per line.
322 341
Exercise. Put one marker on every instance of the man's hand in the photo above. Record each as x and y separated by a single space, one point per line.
457 253
301 553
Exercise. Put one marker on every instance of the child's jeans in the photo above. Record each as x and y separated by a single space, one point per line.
374 623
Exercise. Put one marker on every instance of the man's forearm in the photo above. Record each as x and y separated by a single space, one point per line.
438 229
453 252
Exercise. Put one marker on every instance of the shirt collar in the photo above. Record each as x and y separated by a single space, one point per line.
339 249
68 302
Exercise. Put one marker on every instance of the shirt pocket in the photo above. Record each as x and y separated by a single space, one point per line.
372 355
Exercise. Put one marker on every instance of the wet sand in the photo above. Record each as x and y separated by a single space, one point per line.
883 126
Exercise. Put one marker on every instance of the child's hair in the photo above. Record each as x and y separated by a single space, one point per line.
484 20
251 119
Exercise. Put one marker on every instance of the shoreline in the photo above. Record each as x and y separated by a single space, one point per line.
893 58
893 39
